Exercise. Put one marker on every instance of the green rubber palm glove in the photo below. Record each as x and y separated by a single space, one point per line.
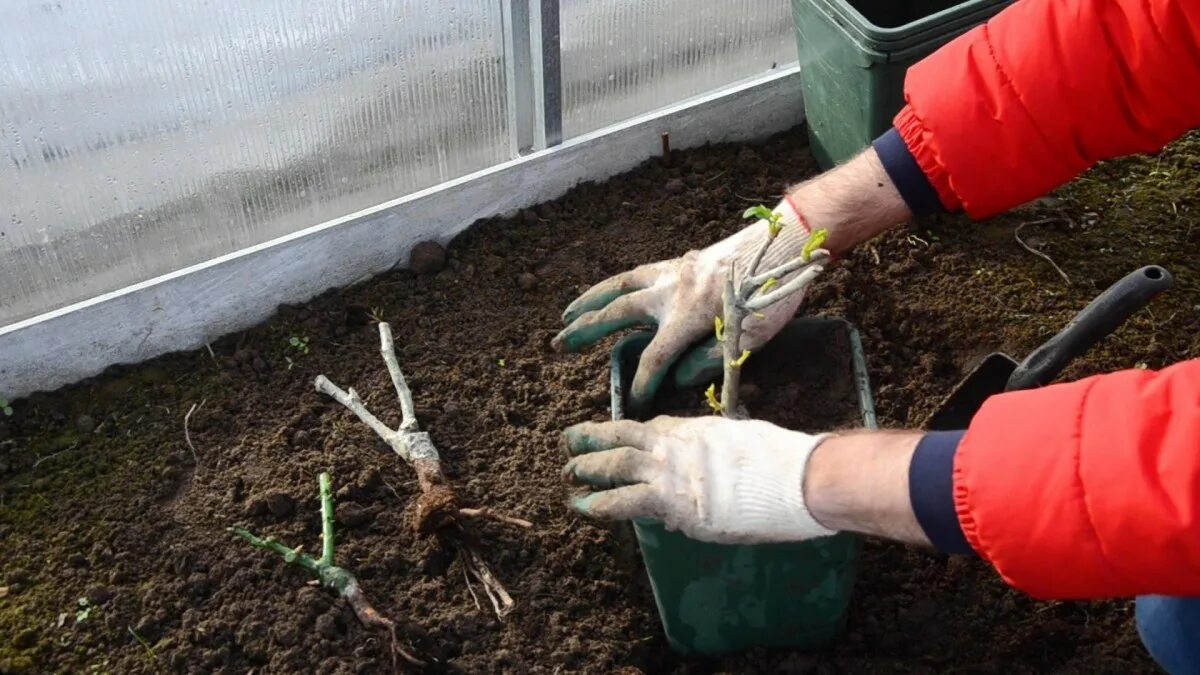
681 297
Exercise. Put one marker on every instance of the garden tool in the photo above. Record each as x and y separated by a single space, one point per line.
999 372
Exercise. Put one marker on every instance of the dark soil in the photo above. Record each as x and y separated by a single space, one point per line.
804 379
100 497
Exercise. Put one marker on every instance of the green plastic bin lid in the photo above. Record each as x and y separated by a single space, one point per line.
942 18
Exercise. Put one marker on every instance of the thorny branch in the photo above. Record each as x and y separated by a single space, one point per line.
330 576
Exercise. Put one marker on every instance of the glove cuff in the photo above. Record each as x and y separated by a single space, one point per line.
769 495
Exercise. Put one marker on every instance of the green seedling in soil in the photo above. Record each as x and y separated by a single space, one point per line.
755 293
300 344
85 610
5 407
330 576
438 513
142 641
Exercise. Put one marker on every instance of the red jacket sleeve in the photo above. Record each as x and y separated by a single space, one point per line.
1088 489
1022 104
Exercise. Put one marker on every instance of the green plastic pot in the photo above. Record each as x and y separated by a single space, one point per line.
853 58
715 599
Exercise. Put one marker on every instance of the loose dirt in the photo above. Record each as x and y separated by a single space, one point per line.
100 497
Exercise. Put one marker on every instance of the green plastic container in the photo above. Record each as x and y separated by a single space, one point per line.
853 57
715 599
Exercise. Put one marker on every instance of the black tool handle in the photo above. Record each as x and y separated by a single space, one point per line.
1108 311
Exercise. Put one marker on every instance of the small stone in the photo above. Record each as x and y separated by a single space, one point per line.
77 560
281 504
353 516
327 626
527 281
675 186
257 508
85 424
427 257
369 479
121 575
747 156
98 595
25 639
237 490
147 627
286 635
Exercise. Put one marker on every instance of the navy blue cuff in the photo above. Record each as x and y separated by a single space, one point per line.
931 490
906 174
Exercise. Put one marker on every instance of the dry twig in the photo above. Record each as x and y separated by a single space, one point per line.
1040 254
187 434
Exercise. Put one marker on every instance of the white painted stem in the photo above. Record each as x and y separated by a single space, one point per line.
354 404
734 314
818 256
767 299
408 412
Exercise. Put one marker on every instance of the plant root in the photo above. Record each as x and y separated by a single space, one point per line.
1040 254
438 512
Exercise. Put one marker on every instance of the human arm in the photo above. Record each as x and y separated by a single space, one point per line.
748 481
998 116
1045 89
851 203
1088 489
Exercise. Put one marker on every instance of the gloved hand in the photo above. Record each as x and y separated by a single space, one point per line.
712 478
681 297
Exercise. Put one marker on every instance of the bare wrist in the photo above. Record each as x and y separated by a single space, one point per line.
859 482
853 202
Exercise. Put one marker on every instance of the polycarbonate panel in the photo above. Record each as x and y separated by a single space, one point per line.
141 136
622 58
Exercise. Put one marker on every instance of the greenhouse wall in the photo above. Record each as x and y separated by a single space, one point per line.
162 134
142 143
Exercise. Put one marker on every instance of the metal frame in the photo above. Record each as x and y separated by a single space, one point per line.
189 308
534 74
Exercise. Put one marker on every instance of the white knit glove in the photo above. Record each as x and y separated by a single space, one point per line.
681 297
714 479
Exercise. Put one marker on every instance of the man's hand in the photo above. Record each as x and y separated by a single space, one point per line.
853 203
738 482
681 297
714 479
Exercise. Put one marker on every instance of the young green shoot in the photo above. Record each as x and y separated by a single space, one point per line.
142 641
300 344
5 407
85 610
710 397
